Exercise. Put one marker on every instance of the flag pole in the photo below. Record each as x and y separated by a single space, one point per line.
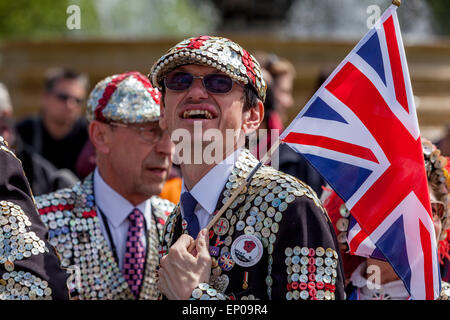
397 2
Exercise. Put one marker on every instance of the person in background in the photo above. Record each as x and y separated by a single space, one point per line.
444 243
5 102
444 142
29 267
271 125
279 75
6 112
107 228
42 176
283 73
59 132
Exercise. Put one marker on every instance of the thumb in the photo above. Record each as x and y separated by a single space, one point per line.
202 241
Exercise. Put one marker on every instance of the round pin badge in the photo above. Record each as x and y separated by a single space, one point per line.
221 227
246 250
226 263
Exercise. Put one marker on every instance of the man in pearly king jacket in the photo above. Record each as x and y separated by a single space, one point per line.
275 241
107 228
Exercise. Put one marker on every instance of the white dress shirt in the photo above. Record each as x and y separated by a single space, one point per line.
116 210
207 190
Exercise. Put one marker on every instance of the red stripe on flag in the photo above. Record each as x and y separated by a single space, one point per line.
356 241
396 63
331 144
427 261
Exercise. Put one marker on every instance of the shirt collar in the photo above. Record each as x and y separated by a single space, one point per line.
207 190
115 207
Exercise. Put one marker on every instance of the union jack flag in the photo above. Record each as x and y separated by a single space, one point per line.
360 131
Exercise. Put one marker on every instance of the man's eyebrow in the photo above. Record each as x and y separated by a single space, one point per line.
180 68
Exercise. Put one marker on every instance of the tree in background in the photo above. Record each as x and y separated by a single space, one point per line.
27 19
44 19
31 19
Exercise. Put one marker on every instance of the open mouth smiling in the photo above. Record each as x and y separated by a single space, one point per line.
198 114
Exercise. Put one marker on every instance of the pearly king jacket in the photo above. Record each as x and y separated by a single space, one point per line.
29 267
74 231
275 241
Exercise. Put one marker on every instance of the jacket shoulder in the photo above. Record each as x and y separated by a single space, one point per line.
4 148
78 199
54 201
294 186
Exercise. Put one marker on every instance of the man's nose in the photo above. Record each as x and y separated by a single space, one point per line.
165 144
197 90
72 103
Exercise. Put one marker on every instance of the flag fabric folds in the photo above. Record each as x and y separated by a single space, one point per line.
360 131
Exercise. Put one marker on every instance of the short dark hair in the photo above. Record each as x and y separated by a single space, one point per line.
250 96
54 75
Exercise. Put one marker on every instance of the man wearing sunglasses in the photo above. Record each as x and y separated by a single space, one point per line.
275 241
107 228
59 132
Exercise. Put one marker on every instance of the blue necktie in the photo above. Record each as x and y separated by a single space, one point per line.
188 202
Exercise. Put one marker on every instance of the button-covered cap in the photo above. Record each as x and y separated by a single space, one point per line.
217 52
127 98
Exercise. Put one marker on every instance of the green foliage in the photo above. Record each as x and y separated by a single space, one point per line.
154 18
37 19
24 18
31 19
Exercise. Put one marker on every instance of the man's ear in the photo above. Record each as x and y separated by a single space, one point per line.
100 135
162 118
252 118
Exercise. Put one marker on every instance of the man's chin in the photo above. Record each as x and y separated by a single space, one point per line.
154 185
151 190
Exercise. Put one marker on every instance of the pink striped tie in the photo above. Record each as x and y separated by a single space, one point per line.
133 268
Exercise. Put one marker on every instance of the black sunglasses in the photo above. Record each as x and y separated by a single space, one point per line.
64 97
214 83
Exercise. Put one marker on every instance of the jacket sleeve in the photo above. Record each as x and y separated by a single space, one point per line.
29 266
306 260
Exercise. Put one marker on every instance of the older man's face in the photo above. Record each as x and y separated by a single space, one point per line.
140 165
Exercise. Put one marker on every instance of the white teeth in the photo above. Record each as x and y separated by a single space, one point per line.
191 113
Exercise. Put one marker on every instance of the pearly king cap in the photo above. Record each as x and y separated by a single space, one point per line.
127 98
220 53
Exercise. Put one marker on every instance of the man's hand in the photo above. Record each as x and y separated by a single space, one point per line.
181 271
